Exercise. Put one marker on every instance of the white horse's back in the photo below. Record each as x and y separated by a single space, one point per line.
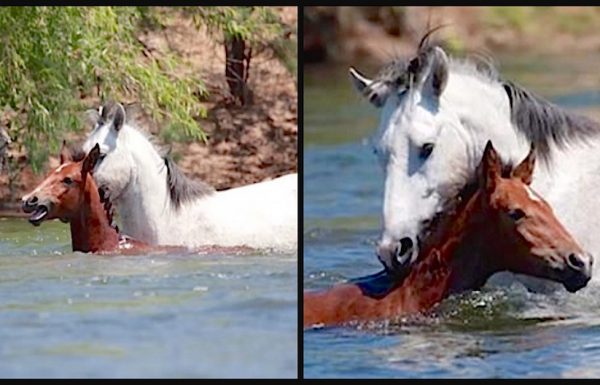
574 195
158 204
262 215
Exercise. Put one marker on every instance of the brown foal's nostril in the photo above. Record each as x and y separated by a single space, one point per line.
29 203
575 261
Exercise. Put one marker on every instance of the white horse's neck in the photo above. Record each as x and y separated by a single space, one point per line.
262 215
483 105
567 181
145 200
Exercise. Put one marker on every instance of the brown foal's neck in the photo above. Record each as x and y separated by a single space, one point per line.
455 259
91 230
452 260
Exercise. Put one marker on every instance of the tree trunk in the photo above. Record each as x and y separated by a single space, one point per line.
236 68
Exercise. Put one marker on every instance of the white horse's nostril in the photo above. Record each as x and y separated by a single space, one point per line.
385 254
395 255
406 245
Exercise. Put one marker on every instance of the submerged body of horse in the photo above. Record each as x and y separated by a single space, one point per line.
159 205
497 223
437 114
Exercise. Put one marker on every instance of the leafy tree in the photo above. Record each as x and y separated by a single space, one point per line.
50 57
245 31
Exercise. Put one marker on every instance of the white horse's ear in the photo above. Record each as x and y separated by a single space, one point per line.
119 117
437 78
375 91
358 80
105 109
92 116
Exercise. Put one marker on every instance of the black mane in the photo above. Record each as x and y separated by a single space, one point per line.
181 188
544 122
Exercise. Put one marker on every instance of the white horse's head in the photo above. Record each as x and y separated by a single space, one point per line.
437 115
424 143
115 166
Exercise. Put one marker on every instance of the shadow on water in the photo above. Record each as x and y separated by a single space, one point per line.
502 330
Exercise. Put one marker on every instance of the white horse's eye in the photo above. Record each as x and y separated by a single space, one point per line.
426 150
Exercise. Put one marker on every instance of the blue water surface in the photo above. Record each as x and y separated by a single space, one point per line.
65 314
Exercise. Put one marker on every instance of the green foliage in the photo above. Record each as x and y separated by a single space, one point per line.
285 50
577 23
51 55
543 20
253 24
260 27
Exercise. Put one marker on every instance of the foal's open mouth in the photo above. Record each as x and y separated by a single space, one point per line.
38 215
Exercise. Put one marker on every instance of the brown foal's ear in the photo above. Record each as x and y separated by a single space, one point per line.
65 153
524 170
490 168
90 160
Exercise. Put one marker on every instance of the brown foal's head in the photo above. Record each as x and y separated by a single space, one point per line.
61 194
527 235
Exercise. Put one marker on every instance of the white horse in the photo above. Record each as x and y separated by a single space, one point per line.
159 205
437 115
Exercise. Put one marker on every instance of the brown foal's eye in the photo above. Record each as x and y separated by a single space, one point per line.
68 181
516 214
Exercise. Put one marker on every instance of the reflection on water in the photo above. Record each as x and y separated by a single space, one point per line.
65 314
502 330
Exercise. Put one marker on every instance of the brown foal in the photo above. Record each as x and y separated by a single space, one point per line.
70 193
496 223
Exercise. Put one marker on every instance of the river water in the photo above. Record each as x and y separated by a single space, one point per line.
500 331
65 314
